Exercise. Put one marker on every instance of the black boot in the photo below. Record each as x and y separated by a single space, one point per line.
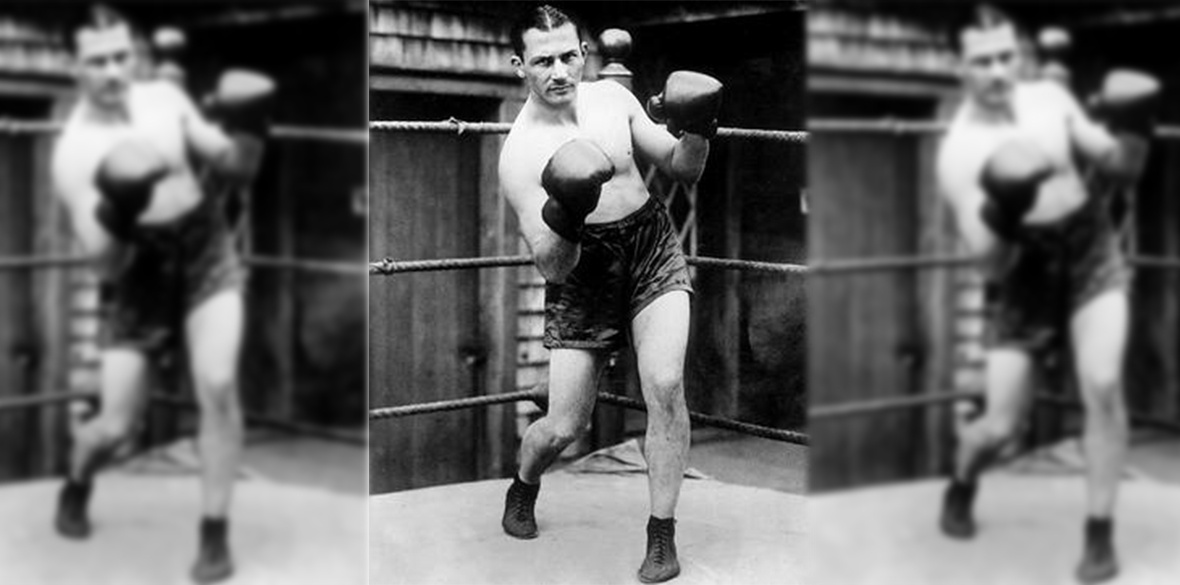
1098 559
519 520
213 559
957 520
661 563
72 520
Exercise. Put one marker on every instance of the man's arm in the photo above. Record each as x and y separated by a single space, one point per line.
966 199
1118 146
81 198
555 257
233 148
683 159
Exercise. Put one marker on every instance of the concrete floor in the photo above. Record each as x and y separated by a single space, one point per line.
298 517
592 532
145 533
1030 514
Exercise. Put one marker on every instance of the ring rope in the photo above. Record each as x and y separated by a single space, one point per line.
784 435
10 403
34 262
878 405
459 127
16 126
277 423
390 266
879 263
304 265
38 400
325 266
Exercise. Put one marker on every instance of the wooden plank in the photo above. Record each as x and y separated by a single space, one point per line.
941 324
17 353
420 323
862 335
497 294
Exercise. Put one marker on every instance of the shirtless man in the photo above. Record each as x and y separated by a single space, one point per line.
1031 178
121 167
608 252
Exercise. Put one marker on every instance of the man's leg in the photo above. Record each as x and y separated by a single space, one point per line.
1008 374
660 333
214 335
1099 340
123 372
573 377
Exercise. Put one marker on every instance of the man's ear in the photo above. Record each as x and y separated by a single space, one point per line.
517 64
585 49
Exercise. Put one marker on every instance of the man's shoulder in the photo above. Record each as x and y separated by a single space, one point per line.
605 90
157 91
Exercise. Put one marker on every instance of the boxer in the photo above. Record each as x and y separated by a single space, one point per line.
168 268
1031 178
612 261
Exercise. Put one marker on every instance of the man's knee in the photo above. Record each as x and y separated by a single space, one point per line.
664 389
217 390
999 430
1101 382
566 430
109 430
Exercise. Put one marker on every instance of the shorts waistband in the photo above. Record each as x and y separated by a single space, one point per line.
641 215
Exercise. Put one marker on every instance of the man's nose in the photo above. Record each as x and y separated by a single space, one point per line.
560 70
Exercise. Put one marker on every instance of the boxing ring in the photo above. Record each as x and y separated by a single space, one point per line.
1031 520
590 522
145 522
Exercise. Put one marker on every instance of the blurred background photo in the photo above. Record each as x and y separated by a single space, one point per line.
298 506
900 318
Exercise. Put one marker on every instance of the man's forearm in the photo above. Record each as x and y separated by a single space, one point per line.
554 256
688 158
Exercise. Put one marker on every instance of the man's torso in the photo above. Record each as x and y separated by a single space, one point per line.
155 114
602 117
1040 114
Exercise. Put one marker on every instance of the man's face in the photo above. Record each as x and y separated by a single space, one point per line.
990 64
105 64
552 63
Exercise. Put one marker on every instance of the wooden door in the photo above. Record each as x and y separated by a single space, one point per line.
424 192
18 352
863 337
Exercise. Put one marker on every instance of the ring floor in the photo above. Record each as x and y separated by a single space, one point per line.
592 530
1030 532
145 532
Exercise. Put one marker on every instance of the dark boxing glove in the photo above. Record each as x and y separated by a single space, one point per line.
1127 102
573 178
1010 179
689 103
242 102
126 178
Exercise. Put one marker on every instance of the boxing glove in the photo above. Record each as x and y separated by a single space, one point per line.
573 179
689 103
126 178
1127 102
242 102
1010 179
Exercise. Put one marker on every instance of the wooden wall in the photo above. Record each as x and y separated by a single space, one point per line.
875 334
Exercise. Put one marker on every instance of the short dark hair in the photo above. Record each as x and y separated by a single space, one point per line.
98 17
543 17
984 17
